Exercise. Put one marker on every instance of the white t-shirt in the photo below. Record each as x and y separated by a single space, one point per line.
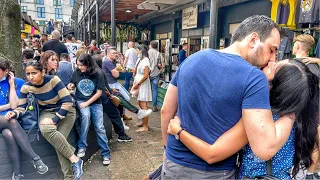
132 58
72 49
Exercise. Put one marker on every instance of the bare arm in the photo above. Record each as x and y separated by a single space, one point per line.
168 110
13 98
311 61
5 107
225 146
145 75
266 137
95 97
125 61
115 73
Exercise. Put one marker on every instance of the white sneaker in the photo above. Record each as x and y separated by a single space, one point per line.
124 125
106 161
81 153
143 113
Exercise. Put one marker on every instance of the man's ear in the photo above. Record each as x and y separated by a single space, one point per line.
252 39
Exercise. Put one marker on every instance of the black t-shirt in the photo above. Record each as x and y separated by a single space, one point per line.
55 46
104 96
87 85
314 68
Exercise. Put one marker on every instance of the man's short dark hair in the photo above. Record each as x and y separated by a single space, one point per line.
36 36
28 54
184 44
64 56
154 44
69 37
260 24
5 64
46 35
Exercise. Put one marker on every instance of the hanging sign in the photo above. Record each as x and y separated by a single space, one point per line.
27 28
190 17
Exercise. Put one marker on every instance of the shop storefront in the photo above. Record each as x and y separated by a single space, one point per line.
231 16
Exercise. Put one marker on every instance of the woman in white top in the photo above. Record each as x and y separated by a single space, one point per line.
142 83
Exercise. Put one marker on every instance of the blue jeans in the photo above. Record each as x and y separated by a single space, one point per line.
154 82
96 111
128 76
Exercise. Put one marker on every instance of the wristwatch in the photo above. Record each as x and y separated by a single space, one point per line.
177 136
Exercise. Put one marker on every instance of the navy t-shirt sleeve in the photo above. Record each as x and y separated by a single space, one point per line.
256 92
109 66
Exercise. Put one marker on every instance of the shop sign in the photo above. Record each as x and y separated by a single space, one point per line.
190 17
185 33
163 36
195 32
27 28
32 30
23 36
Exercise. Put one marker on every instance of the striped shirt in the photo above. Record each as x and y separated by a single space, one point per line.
52 96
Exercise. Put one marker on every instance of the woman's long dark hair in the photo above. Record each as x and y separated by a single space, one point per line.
296 90
144 50
86 60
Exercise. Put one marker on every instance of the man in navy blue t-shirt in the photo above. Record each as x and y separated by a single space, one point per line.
212 90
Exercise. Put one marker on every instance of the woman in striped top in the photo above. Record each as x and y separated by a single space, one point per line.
57 116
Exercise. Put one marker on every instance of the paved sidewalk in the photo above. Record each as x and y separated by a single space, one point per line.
131 160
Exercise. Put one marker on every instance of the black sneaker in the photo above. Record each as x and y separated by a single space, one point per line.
77 169
316 175
39 165
124 138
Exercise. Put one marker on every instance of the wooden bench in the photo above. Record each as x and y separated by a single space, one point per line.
48 154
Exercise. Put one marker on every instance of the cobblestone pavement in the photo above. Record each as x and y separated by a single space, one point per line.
131 160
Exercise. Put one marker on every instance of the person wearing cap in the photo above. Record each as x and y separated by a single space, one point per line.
55 45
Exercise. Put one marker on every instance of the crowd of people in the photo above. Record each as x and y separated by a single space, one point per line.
231 113
67 78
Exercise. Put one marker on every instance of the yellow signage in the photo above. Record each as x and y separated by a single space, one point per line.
27 28
36 31
23 36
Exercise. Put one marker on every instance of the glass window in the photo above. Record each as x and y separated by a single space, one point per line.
58 13
23 8
56 2
40 2
42 23
41 12
72 3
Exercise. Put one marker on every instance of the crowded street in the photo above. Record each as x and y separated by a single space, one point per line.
132 160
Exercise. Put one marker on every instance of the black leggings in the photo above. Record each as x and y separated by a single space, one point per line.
16 138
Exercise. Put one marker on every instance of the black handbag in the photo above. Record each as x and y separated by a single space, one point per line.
268 176
29 120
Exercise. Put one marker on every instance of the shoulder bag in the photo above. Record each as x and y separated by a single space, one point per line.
29 120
